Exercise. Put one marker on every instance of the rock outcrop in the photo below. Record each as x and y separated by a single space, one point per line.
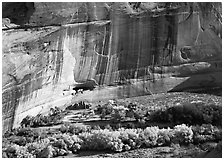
114 50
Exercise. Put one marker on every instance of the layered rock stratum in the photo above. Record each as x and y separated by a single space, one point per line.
109 50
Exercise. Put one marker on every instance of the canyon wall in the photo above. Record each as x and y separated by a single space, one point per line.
49 49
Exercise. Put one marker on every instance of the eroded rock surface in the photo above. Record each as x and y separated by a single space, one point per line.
114 49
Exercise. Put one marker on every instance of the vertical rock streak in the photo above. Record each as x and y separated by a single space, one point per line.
136 53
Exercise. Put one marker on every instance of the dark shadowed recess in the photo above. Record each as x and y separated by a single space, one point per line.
18 12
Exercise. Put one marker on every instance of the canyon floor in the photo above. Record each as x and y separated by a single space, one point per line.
175 151
155 101
207 149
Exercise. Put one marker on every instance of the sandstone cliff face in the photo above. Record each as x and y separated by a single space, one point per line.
120 50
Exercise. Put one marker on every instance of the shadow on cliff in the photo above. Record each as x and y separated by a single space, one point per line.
18 12
202 83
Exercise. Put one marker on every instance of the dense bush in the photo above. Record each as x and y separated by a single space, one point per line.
119 113
108 127
77 106
138 112
21 141
101 140
165 136
122 139
182 134
16 151
104 110
27 121
25 132
149 136
36 148
21 136
206 133
75 128
130 138
189 113
53 118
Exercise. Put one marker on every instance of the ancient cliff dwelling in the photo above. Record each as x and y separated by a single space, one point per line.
71 54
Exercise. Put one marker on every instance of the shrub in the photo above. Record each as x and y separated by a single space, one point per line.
104 110
11 151
130 137
149 136
8 133
131 125
131 108
96 127
22 136
65 140
118 126
85 140
64 128
108 127
121 112
75 128
40 120
47 152
77 106
78 128
16 151
22 152
54 117
77 143
21 141
27 132
105 139
137 112
101 140
55 111
189 113
60 143
118 115
205 133
57 145
4 154
37 147
164 137
27 121
34 148
182 134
